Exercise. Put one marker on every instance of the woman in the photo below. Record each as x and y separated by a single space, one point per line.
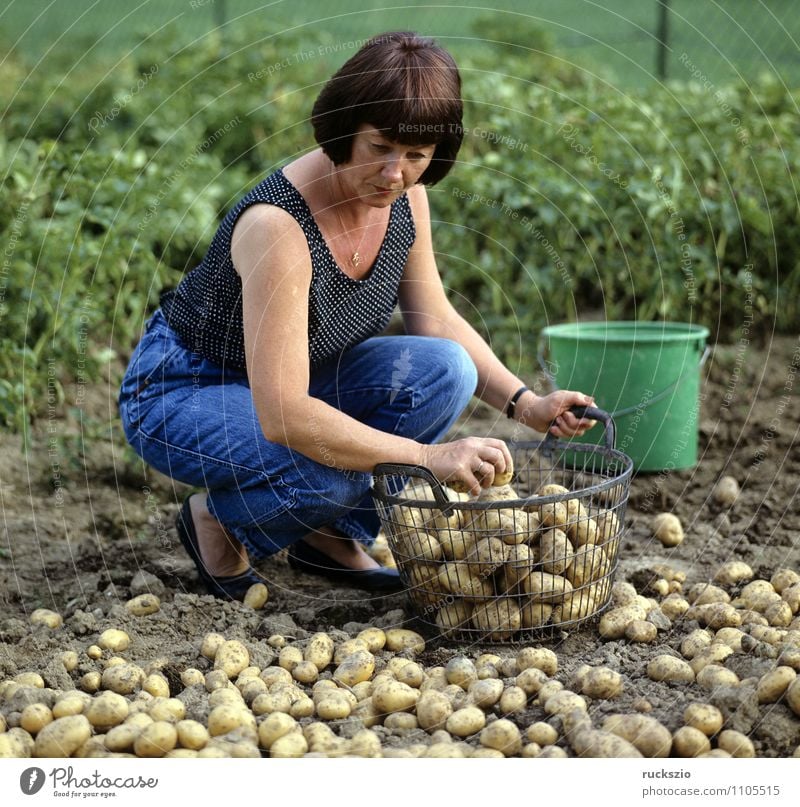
261 378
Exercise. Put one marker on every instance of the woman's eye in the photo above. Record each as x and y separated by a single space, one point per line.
379 147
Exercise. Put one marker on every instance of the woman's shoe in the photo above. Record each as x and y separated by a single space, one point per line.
226 588
304 558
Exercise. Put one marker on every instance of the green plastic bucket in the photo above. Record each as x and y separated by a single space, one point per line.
645 374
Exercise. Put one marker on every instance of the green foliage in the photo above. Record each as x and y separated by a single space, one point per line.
570 199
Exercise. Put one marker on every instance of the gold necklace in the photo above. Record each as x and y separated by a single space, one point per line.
355 258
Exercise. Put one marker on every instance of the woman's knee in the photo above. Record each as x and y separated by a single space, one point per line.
455 372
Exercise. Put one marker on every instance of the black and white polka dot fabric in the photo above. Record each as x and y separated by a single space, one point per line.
206 307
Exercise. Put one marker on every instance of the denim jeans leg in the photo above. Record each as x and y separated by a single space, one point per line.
197 423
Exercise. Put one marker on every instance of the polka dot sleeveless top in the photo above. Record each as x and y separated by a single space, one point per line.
205 310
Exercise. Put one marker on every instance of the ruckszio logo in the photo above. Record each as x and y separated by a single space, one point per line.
31 781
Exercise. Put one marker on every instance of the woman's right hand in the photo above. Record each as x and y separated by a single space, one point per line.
471 460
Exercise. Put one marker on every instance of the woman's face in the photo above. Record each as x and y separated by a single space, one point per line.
380 170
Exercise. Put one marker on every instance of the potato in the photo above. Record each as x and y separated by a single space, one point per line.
34 717
668 529
420 546
669 668
70 704
275 726
791 595
773 684
715 615
124 679
456 578
107 710
456 544
156 685
562 701
583 531
334 705
541 733
231 657
121 738
589 563
191 734
602 683
546 587
688 741
433 710
461 672
487 555
531 680
539 658
554 515
650 737
736 744
726 491
62 737
91 681
290 746
114 640
711 655
614 622
704 717
453 616
485 693
143 605
575 605
557 552
399 639
365 744
534 614
513 699
713 676
498 619
503 736
394 696
43 616
552 752
597 744
466 721
783 579
792 695
225 718
400 722
355 668
641 631
733 573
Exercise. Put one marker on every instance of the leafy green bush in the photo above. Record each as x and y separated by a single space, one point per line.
570 199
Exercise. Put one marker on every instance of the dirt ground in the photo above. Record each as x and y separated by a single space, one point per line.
85 526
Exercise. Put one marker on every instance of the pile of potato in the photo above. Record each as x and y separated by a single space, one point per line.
490 573
371 695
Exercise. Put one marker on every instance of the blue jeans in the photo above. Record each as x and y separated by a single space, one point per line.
195 421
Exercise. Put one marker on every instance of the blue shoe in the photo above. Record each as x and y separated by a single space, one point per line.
304 558
226 588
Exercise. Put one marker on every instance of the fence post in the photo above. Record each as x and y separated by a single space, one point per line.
662 37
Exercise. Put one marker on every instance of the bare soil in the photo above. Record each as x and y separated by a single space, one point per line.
85 526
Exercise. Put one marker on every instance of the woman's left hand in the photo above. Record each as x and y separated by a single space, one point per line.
551 413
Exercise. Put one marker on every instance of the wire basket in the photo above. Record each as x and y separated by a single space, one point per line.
518 560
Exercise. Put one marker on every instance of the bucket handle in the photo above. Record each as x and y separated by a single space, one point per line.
543 364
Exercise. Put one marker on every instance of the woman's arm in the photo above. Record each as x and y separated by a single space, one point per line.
271 255
427 311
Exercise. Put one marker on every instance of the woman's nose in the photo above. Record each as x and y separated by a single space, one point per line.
392 170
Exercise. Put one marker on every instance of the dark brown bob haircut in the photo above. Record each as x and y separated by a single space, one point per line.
404 85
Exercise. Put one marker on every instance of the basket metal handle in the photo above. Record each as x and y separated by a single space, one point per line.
385 469
593 413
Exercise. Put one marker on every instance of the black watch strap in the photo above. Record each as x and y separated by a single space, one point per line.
512 404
